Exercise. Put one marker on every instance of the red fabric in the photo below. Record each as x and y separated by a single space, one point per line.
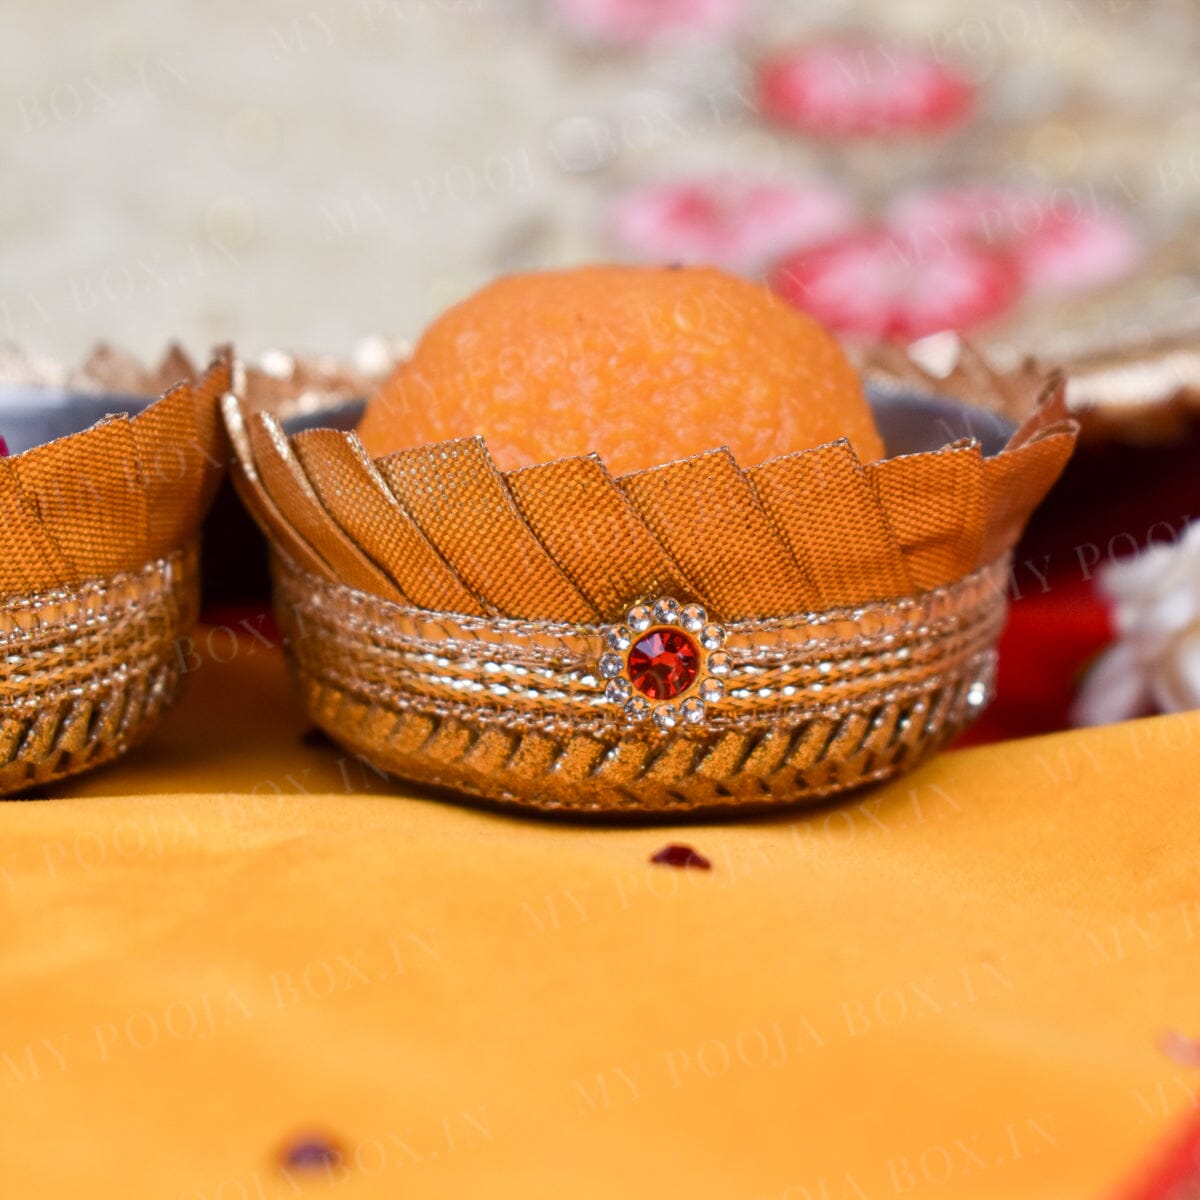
1047 643
1112 500
1174 1174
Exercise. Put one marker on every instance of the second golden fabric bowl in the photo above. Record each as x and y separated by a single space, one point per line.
99 536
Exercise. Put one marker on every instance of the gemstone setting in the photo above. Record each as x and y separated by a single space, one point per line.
660 663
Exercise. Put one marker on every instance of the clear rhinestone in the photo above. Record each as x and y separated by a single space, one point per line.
665 716
712 636
692 710
666 611
637 709
638 618
711 690
977 694
719 662
619 637
611 665
618 691
693 617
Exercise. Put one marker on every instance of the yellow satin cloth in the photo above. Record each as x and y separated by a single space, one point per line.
956 987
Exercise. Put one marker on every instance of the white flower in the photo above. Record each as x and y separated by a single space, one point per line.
1155 661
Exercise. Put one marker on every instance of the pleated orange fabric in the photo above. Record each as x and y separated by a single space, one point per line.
32 560
463 505
172 465
288 486
254 495
707 514
354 493
831 517
935 504
607 549
564 541
106 500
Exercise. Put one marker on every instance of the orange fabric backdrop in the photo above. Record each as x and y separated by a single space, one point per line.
955 986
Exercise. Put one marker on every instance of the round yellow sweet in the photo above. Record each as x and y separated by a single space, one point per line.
642 365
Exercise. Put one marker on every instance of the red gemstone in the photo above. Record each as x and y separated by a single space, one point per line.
663 663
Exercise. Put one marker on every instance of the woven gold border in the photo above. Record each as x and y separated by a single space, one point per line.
513 711
86 671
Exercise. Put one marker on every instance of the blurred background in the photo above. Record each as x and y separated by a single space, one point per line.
304 174
323 178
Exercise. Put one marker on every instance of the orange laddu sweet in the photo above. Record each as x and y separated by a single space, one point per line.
642 365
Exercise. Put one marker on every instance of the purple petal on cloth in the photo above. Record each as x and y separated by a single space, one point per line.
310 1152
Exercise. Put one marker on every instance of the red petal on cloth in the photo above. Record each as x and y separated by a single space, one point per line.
862 88
739 224
1063 240
873 283
678 854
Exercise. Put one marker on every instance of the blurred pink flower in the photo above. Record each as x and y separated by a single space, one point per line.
1154 664
1060 243
3 447
738 224
857 88
634 21
872 283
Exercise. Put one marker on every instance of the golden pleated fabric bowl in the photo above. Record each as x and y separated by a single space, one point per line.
99 545
696 637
